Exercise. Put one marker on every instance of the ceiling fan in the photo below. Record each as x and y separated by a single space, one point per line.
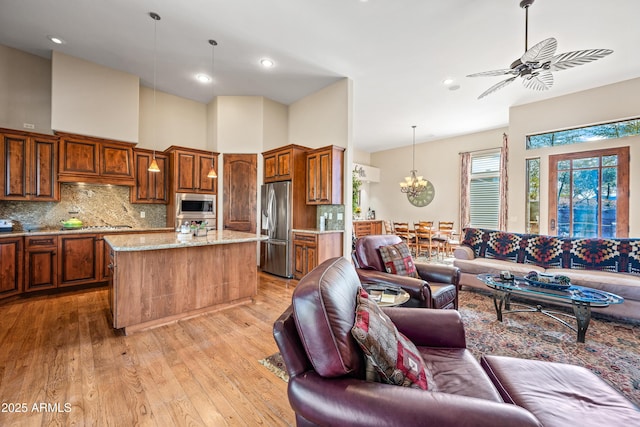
536 64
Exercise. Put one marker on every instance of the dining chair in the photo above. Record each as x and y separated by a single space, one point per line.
446 232
388 228
424 233
401 229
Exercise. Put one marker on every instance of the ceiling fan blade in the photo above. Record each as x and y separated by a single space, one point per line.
538 81
497 86
566 60
541 52
492 73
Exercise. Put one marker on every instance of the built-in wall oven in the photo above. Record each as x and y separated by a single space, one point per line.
195 207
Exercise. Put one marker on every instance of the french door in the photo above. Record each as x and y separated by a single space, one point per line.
589 193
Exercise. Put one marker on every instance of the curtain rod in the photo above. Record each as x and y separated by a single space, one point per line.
479 151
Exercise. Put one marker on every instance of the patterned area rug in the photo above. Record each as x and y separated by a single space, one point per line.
611 350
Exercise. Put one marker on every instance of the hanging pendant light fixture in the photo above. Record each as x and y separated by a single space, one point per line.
413 184
212 172
153 167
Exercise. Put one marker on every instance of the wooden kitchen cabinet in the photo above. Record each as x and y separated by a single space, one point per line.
280 163
40 262
151 187
189 169
324 176
367 227
11 266
311 249
29 162
95 160
80 259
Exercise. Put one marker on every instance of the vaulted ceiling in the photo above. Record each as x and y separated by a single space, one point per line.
397 53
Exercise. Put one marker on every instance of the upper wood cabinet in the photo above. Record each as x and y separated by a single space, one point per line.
279 164
324 176
29 163
189 169
151 187
95 160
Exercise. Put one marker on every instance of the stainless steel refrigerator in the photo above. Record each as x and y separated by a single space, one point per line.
276 223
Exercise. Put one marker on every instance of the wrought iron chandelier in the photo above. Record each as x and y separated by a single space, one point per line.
413 184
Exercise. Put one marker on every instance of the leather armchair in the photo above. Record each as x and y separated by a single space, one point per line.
437 286
326 367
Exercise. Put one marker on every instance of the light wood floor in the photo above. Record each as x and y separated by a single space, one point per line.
60 351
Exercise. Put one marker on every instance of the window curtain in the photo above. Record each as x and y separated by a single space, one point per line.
504 183
465 182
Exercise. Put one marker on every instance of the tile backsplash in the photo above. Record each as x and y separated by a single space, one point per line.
332 213
94 204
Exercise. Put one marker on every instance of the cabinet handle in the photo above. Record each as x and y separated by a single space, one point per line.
110 266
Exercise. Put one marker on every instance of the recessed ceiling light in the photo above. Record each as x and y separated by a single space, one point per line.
447 81
56 40
267 63
203 78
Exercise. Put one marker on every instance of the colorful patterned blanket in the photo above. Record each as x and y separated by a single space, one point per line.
613 255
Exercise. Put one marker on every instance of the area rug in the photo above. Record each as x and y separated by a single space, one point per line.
611 350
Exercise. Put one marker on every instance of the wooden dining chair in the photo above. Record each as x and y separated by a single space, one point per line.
401 229
388 228
446 231
424 232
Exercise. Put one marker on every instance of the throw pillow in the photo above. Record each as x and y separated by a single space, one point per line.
397 259
393 355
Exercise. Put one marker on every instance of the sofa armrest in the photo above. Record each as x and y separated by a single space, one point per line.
429 327
417 289
352 402
438 273
464 252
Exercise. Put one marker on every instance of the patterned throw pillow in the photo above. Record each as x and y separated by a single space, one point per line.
393 355
397 260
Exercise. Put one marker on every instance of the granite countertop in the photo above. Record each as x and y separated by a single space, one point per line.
315 231
58 230
153 241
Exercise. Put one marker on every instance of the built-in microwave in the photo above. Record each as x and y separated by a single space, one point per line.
190 206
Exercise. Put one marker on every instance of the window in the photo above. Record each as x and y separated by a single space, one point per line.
533 196
585 134
484 190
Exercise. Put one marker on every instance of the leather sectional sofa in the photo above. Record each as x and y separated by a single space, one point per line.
611 265
328 370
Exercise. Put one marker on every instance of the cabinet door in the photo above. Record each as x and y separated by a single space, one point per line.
43 176
206 184
14 160
312 178
299 260
151 187
11 257
312 258
79 157
284 165
324 178
270 168
185 173
78 259
116 161
41 266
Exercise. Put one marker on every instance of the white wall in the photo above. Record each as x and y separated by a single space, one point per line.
604 104
92 100
438 162
176 121
275 124
25 90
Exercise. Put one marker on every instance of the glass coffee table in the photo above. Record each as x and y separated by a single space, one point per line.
581 299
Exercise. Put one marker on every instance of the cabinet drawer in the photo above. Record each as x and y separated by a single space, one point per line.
305 238
40 242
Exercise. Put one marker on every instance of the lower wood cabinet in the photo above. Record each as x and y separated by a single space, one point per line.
11 260
41 262
311 249
80 259
366 228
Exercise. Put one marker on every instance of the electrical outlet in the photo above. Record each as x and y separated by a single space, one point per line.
142 214
330 215
339 216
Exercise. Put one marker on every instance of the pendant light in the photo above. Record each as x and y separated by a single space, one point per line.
153 167
212 172
413 184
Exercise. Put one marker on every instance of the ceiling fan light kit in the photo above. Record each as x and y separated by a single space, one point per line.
536 65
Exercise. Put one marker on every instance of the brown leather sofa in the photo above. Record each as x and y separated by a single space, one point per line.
327 383
437 286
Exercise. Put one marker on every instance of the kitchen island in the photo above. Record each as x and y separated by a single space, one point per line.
164 277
